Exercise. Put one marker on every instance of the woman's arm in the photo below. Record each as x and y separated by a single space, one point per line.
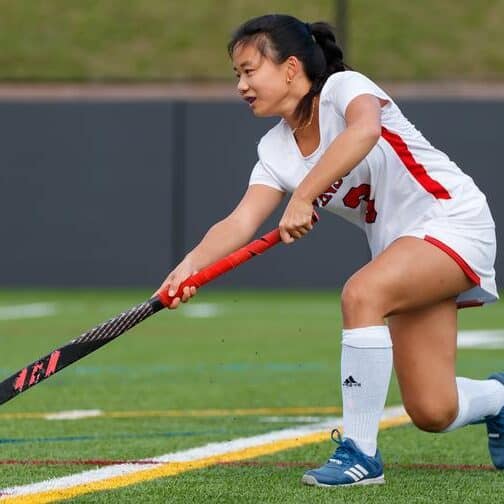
346 151
227 235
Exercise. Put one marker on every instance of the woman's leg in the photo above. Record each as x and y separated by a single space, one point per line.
425 346
408 275
414 284
425 342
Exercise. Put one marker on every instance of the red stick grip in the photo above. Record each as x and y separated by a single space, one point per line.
223 265
227 263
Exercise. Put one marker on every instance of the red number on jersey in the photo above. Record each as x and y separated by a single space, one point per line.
354 197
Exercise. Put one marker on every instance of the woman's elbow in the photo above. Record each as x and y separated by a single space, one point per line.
368 134
373 133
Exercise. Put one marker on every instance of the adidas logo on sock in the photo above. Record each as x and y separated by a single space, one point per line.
350 382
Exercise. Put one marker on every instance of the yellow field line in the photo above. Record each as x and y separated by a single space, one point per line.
174 468
226 412
308 410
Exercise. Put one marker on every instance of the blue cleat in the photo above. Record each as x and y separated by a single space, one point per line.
348 466
495 429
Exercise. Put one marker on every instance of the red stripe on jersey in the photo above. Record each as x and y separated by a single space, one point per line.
465 267
414 167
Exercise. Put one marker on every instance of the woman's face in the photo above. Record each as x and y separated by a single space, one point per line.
261 81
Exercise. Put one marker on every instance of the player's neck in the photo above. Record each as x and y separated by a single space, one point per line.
308 137
298 90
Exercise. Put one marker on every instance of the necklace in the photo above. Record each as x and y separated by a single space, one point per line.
308 124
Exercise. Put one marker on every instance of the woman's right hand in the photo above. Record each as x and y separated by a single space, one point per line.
172 282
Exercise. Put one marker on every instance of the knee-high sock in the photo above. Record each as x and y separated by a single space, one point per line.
476 400
366 366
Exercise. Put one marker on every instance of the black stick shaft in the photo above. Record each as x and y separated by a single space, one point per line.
88 342
78 348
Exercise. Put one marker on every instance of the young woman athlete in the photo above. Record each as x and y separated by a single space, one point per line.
343 144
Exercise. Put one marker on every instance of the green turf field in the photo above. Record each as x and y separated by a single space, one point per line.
233 353
158 40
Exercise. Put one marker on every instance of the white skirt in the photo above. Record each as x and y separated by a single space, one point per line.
471 244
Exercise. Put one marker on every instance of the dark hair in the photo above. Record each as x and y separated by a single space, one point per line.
280 36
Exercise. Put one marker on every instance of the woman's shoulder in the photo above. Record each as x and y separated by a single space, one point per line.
342 87
347 78
346 74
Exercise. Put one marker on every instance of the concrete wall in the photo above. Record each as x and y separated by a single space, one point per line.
112 194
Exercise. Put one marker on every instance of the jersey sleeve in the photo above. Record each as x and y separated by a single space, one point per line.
263 171
262 175
348 85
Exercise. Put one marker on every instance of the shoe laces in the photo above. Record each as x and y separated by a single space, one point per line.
342 453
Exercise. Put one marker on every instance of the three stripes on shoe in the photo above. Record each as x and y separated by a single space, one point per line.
356 472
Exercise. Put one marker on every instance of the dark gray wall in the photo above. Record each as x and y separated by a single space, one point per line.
96 193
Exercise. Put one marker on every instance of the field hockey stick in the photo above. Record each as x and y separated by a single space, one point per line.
90 341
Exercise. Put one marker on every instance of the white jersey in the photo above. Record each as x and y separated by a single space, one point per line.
404 186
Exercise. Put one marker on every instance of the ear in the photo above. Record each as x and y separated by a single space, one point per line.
293 66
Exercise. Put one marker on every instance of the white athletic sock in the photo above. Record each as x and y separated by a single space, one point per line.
476 400
366 366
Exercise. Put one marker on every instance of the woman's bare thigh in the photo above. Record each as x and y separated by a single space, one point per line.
425 346
409 274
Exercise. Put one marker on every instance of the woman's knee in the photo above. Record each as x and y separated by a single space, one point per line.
432 416
359 297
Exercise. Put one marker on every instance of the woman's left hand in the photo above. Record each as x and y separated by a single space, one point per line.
296 220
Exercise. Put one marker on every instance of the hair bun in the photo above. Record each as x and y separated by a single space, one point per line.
324 35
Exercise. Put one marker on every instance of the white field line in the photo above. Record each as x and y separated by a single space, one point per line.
481 339
190 455
293 419
201 310
466 339
32 310
93 413
199 413
74 414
